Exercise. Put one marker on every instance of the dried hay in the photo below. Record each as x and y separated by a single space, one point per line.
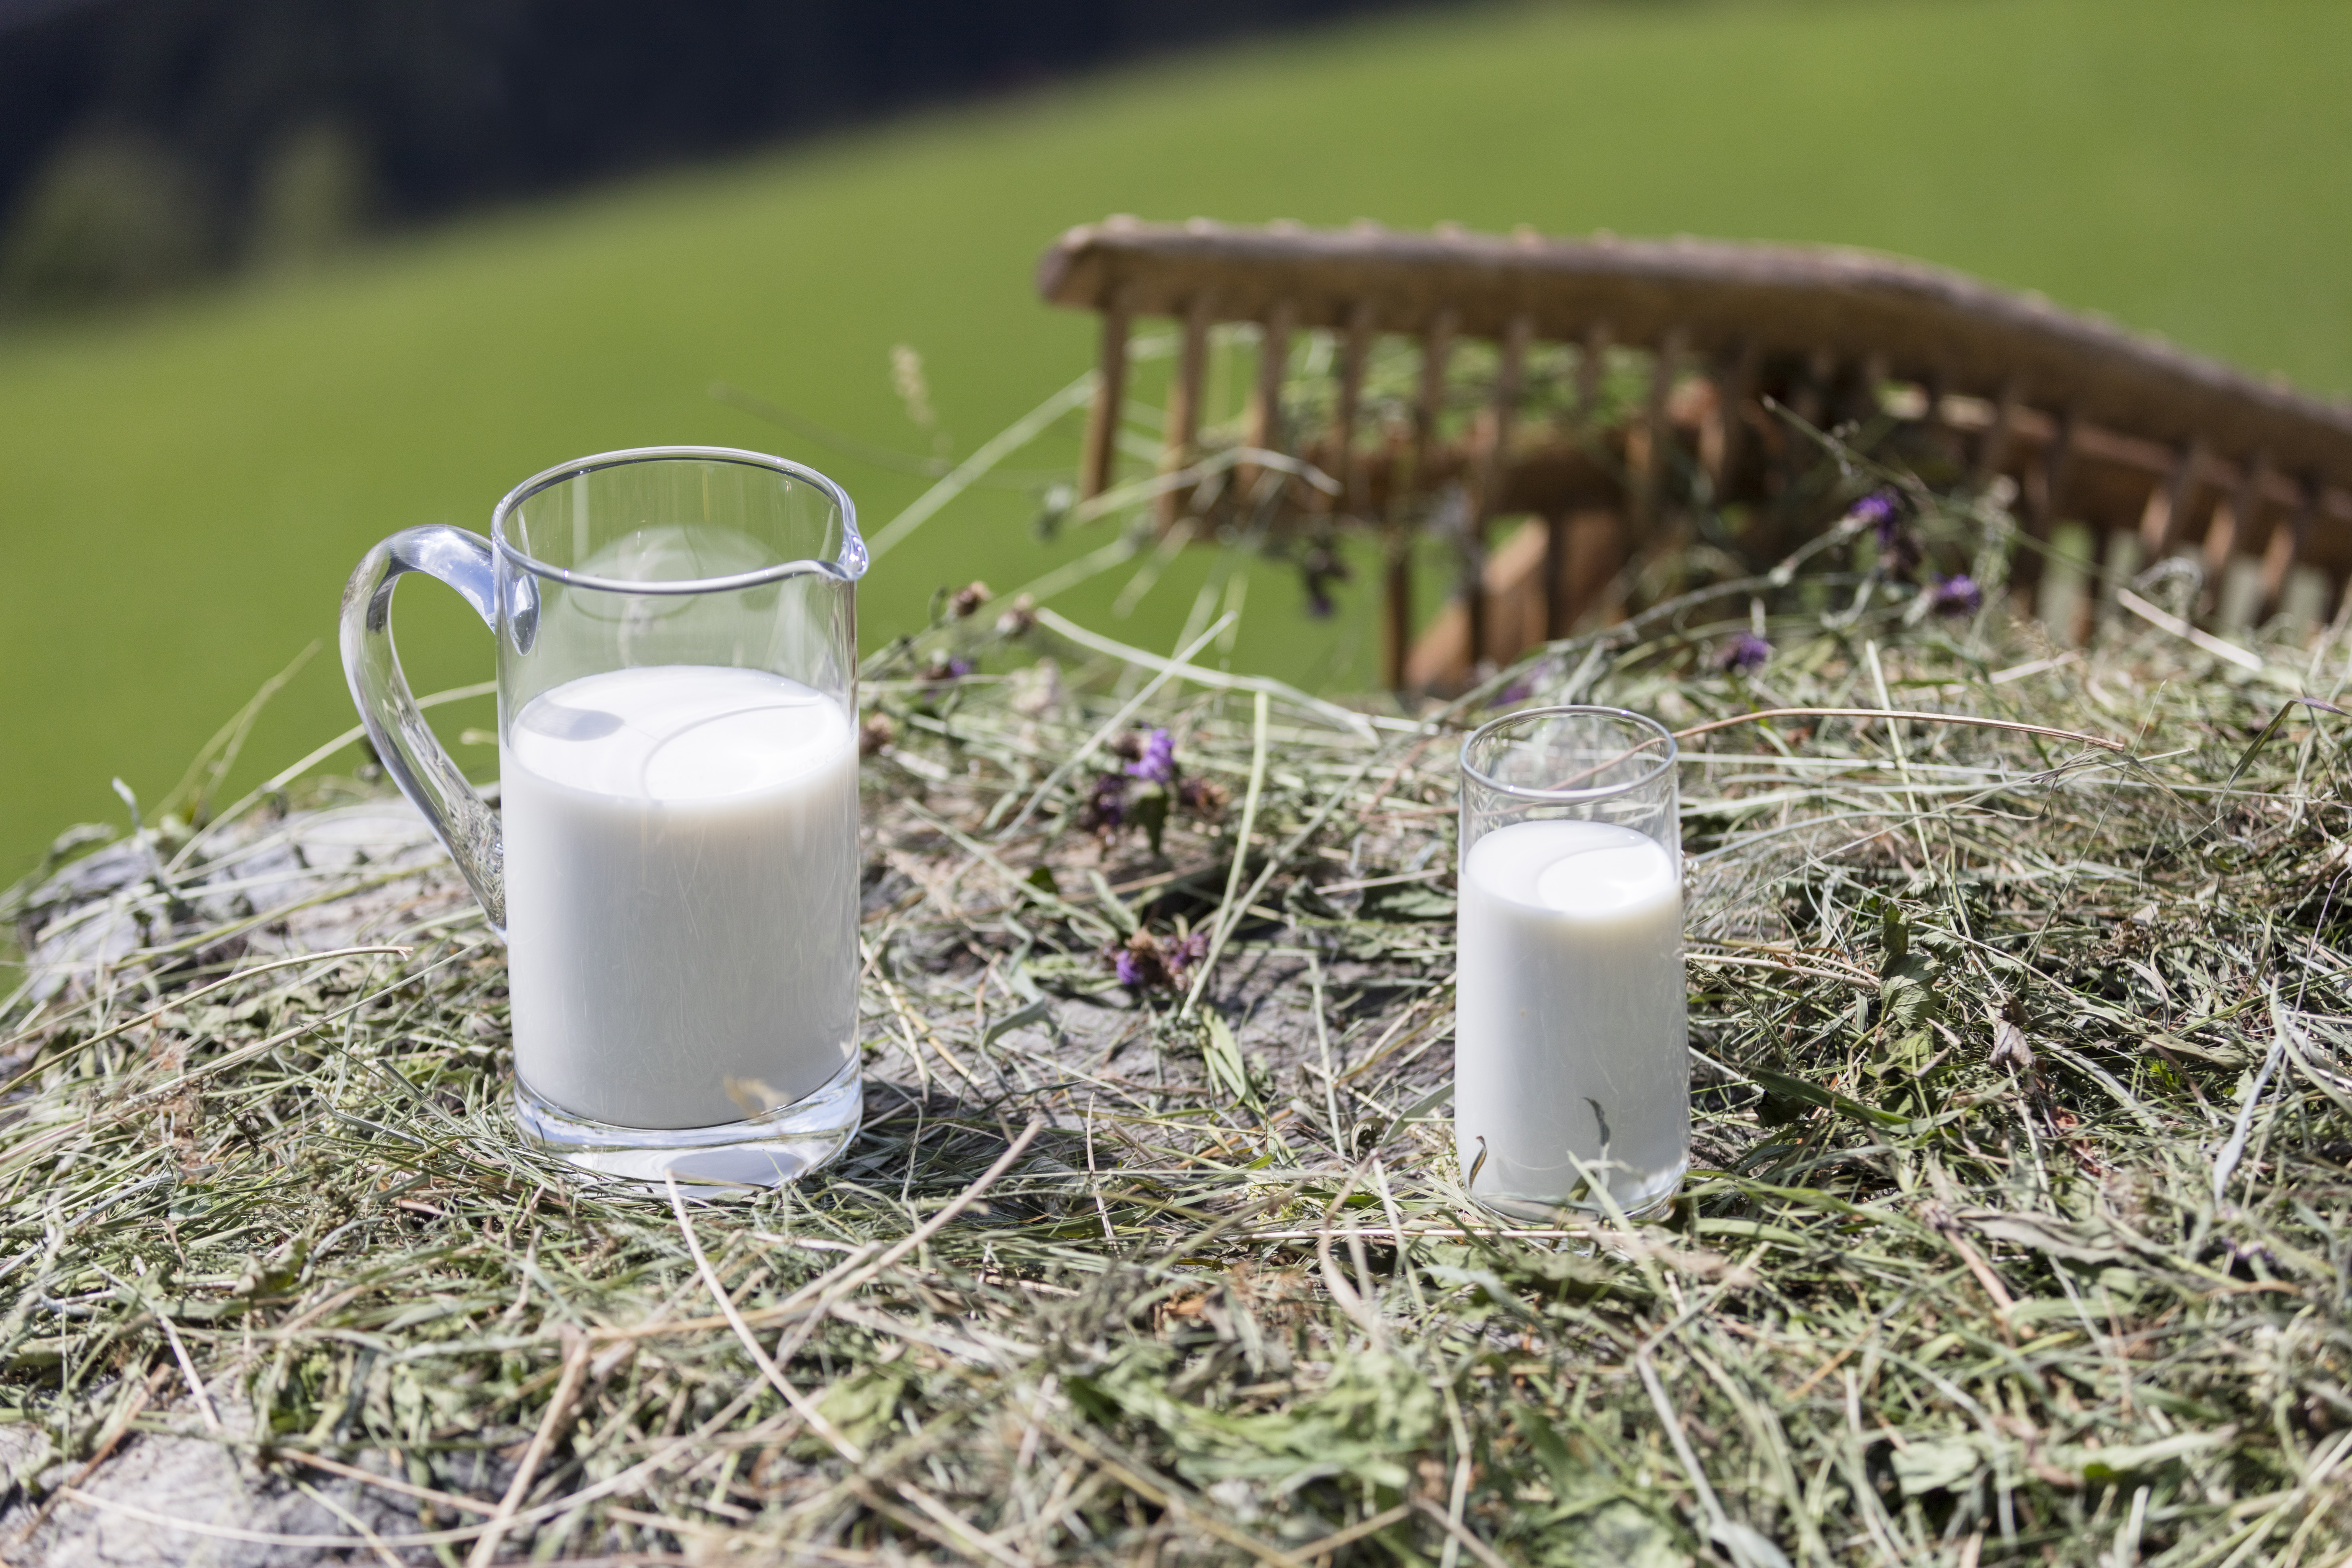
2023 1148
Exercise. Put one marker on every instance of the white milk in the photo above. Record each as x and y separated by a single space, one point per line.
681 876
1568 1015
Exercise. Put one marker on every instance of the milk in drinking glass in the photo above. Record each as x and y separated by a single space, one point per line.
1570 1052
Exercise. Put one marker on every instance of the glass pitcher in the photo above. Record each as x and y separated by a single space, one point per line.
674 867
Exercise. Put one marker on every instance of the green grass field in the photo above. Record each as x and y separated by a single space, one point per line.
182 494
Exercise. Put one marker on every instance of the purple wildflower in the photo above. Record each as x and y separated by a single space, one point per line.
1144 962
1158 762
1105 811
946 667
1518 690
1957 595
1018 617
1876 511
1321 568
1204 799
2246 1257
1743 653
1898 549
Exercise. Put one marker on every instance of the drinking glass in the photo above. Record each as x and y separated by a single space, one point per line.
1571 1068
674 868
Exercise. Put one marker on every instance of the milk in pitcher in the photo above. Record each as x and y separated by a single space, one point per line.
681 879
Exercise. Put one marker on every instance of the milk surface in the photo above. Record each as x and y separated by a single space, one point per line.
681 877
1569 1031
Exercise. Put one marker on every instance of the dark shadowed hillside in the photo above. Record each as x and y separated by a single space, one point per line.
146 140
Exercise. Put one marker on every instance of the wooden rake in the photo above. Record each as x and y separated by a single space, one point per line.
1677 366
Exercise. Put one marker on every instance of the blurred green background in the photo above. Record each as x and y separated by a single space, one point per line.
182 489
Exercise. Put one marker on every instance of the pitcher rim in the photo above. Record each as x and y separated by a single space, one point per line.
849 565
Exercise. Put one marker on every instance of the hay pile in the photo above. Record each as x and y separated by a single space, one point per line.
2023 1150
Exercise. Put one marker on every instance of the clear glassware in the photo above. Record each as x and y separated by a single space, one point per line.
1571 1066
674 867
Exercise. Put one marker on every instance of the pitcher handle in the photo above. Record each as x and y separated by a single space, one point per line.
459 816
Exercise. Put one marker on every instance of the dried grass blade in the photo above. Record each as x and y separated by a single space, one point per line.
1907 715
1225 920
760 1357
550 1426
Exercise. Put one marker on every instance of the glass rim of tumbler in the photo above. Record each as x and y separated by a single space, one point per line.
848 566
1640 721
